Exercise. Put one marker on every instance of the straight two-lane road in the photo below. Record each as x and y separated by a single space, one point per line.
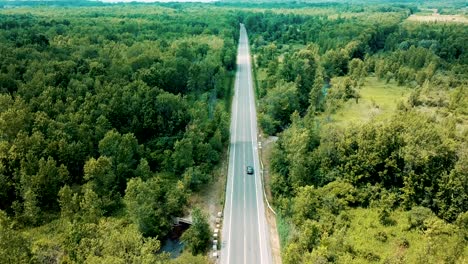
245 236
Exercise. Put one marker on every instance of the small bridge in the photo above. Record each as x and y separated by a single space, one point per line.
182 220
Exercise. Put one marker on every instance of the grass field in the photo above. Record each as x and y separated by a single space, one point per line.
368 241
378 100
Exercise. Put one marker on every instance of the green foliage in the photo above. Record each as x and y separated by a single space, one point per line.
14 247
418 216
453 194
91 206
278 105
197 237
150 204
98 104
182 156
94 107
68 201
382 153
188 258
462 222
343 89
109 241
102 181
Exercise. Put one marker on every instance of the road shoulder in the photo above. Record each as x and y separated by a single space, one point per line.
267 145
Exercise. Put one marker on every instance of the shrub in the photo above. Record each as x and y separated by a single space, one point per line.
381 236
417 216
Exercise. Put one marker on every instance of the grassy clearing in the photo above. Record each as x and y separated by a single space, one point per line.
372 242
378 100
438 18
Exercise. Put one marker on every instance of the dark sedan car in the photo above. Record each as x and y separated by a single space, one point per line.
250 170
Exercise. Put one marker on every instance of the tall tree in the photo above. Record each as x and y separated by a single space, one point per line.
197 237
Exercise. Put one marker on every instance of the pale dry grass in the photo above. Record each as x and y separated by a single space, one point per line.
439 18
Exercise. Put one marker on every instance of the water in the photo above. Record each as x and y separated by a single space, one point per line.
172 244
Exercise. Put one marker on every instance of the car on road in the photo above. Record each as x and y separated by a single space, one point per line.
250 170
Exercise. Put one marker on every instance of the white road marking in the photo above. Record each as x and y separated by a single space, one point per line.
245 210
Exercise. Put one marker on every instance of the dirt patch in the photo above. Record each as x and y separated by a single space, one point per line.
265 152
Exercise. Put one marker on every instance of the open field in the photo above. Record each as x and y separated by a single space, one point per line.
378 100
396 243
439 18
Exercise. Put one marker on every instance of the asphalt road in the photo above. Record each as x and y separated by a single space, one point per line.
245 236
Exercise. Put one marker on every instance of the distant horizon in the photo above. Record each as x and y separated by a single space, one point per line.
152 1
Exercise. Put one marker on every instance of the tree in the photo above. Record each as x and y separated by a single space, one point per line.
182 155
69 204
305 204
316 94
336 63
293 253
110 241
103 182
462 223
357 70
123 151
152 203
452 197
310 234
47 182
280 102
143 170
343 89
197 237
31 211
91 206
84 109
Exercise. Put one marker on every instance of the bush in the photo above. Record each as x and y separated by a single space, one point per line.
404 243
381 236
371 256
384 217
417 216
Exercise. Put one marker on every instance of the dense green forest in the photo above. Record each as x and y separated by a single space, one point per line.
389 189
109 118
